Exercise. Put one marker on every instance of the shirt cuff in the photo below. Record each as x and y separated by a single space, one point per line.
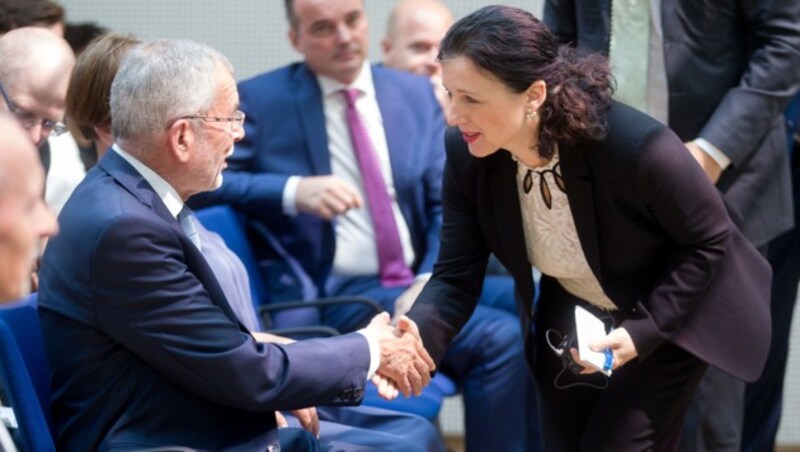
714 152
290 196
424 277
374 351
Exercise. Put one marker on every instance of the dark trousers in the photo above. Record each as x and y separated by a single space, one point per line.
641 406
716 414
763 398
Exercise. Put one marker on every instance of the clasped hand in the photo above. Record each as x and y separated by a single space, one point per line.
405 366
619 342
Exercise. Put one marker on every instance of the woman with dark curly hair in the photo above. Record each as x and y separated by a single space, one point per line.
544 169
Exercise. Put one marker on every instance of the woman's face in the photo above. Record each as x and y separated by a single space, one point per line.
489 115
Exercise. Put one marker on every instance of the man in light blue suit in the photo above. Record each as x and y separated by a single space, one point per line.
300 158
145 347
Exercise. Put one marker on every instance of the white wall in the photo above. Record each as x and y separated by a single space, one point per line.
251 33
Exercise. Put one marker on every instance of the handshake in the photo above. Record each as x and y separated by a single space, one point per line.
405 366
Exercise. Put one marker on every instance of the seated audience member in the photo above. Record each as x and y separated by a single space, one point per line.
413 33
79 36
146 349
24 221
24 218
356 216
64 168
31 13
33 82
90 86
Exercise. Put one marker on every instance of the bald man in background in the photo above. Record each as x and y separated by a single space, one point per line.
34 76
24 218
412 39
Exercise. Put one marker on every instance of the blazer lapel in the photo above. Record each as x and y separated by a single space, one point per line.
312 115
577 180
130 179
502 181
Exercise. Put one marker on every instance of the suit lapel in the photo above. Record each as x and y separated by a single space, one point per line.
312 114
502 182
397 136
577 180
130 179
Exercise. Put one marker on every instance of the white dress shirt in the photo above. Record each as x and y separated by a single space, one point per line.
356 251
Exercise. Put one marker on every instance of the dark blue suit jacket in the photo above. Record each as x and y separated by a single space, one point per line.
144 347
731 68
286 136
654 231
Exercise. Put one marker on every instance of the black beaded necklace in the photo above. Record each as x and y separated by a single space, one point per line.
544 187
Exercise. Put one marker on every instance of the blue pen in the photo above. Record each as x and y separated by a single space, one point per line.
609 361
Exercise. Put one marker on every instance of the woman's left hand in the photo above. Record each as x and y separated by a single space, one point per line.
621 345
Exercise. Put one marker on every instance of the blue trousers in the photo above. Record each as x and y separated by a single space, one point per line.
372 429
486 359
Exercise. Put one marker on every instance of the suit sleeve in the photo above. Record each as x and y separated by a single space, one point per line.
748 111
149 301
691 212
449 298
559 16
244 187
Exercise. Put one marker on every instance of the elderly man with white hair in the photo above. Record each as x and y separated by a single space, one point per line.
140 304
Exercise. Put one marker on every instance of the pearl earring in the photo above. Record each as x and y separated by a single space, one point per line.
530 113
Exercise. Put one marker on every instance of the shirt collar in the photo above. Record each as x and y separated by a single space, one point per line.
362 83
165 191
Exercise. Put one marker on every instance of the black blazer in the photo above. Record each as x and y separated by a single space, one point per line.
732 67
654 231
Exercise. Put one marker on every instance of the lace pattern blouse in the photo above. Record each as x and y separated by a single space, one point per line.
550 235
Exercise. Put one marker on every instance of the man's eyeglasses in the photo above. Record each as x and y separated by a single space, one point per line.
234 122
28 120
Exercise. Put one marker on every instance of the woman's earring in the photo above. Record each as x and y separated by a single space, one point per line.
530 113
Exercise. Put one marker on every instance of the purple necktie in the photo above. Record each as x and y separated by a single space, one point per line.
393 269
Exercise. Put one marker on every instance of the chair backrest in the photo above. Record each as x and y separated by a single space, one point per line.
229 225
25 373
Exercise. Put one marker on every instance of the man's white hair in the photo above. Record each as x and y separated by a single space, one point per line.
159 81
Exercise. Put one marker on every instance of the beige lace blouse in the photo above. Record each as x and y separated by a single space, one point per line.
550 236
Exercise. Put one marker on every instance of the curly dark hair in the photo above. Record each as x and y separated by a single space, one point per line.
518 49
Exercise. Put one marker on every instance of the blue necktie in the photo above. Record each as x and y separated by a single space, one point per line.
187 222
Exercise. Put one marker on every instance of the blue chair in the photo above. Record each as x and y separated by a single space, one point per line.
230 226
25 373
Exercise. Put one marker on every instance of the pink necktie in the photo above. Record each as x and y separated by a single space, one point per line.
393 269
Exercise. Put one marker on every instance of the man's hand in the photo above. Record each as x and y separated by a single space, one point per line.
307 417
403 358
709 165
326 196
406 299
